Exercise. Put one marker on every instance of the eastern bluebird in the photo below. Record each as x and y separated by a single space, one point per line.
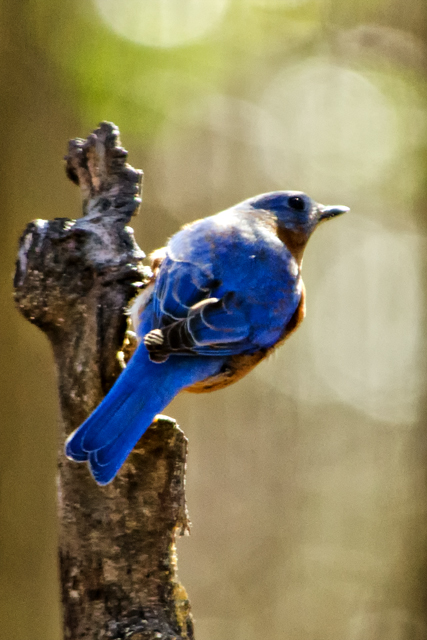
225 291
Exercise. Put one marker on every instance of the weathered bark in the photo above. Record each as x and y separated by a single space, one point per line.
74 279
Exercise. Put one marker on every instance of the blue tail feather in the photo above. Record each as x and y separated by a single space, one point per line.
142 391
105 463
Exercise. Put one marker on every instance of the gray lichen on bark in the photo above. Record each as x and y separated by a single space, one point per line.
74 280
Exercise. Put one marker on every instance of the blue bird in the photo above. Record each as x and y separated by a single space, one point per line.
225 291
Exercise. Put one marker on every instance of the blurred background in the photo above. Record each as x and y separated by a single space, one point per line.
307 480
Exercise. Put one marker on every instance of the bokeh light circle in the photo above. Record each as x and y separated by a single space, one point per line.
330 129
162 23
366 324
359 344
277 4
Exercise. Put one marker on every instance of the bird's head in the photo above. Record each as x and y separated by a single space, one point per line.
296 216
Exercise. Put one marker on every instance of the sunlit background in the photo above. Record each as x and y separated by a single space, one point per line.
306 481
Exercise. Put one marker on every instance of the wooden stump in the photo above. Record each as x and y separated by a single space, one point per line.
74 280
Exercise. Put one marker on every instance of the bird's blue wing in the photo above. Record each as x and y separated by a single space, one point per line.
179 286
223 288
189 318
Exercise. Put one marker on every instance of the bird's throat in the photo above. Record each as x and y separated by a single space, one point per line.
295 241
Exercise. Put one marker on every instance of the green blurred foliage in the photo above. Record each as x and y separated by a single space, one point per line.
137 85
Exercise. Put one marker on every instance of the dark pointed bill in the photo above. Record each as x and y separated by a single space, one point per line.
332 211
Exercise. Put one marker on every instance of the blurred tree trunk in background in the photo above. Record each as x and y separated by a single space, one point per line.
35 122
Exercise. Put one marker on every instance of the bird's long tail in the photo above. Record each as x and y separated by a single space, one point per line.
144 389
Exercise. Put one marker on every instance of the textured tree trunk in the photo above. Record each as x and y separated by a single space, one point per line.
74 279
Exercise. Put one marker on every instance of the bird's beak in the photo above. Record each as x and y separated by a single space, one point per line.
331 211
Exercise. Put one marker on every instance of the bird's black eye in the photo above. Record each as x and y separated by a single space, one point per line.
297 203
